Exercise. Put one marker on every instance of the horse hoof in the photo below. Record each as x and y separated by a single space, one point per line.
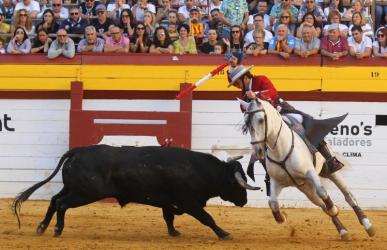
344 235
40 229
371 231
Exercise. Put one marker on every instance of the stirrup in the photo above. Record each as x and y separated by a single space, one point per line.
334 165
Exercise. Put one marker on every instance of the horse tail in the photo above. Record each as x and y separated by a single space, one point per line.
23 196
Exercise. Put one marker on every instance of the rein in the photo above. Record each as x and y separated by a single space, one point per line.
282 163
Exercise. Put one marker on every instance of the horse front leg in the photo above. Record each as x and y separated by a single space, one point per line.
275 190
331 209
351 200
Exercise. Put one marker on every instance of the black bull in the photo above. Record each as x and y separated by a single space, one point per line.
174 179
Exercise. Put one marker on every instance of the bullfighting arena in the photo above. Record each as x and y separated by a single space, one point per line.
107 226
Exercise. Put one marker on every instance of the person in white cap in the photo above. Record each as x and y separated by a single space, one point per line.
260 86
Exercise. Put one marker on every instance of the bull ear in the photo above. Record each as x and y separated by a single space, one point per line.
234 158
243 103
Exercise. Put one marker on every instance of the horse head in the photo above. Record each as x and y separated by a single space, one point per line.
256 123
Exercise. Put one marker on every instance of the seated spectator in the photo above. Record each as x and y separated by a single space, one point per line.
283 5
258 25
163 11
127 22
358 19
213 39
30 6
75 24
258 47
62 45
334 17
41 42
215 22
234 12
172 30
357 6
380 43
196 26
282 44
171 18
310 6
334 45
218 49
116 42
19 44
102 22
140 42
2 49
88 9
7 8
91 43
5 28
185 44
140 8
309 19
149 22
360 46
162 43
286 19
114 9
336 5
236 42
380 14
43 5
24 20
215 4
59 11
262 7
309 44
183 12
48 23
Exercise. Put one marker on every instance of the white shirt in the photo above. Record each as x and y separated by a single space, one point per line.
33 6
366 42
376 45
183 10
266 20
212 6
249 37
112 6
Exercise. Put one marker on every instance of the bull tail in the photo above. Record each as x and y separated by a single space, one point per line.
23 196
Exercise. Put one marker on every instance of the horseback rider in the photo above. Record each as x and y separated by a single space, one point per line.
253 86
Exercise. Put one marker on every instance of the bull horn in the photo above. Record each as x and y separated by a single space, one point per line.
243 183
234 158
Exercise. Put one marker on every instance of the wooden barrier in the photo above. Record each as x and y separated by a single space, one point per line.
85 130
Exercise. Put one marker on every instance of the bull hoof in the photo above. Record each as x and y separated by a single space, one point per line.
344 235
41 229
371 231
57 232
226 237
174 233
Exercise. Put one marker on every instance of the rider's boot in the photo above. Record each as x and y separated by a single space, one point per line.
332 162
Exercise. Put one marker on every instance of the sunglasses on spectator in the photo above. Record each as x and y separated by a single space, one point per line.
380 35
89 1
22 14
309 1
141 28
74 13
126 15
56 4
285 17
235 31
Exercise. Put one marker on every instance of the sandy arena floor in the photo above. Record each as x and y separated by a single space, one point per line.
107 226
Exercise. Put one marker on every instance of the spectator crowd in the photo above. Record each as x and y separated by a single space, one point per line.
332 28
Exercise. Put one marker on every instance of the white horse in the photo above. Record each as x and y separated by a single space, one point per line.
290 163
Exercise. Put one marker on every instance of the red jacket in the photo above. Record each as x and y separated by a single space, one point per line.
264 85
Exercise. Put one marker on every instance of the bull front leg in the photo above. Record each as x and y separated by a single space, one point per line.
169 217
201 215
